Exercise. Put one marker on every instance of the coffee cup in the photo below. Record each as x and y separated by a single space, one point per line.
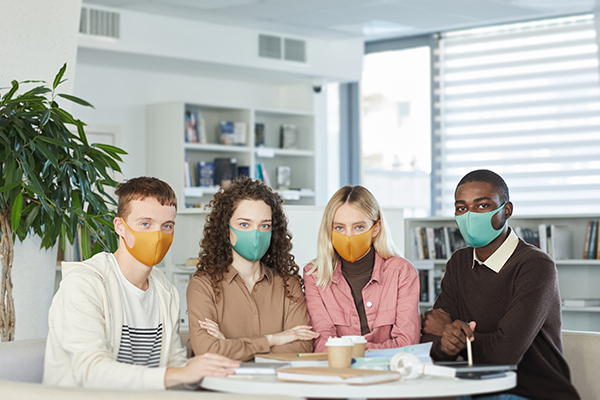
339 352
360 345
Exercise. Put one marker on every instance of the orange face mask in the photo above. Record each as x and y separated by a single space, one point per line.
351 248
150 247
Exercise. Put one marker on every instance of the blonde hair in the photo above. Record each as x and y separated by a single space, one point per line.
364 201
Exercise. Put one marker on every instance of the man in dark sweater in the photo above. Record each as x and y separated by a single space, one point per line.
501 294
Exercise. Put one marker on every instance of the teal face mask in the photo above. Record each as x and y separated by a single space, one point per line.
477 229
251 245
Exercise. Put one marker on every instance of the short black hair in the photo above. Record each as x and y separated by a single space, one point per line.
485 175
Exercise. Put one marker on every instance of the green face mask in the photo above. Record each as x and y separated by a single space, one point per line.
251 245
477 229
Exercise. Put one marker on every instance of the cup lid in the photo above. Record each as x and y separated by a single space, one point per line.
356 338
335 341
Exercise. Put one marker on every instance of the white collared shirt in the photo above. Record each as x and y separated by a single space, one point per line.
496 261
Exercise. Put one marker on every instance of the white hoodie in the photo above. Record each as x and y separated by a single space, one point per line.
85 321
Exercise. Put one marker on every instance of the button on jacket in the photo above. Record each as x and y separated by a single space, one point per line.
391 301
246 318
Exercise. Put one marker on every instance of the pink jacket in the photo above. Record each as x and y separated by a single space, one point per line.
393 313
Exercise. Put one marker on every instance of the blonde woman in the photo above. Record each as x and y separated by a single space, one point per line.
359 284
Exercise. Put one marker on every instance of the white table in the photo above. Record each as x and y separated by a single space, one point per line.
423 387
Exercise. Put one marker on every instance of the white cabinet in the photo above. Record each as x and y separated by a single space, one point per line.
168 150
578 278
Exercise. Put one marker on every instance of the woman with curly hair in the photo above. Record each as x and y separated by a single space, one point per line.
359 284
246 296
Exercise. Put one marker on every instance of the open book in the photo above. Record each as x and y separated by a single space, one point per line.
336 375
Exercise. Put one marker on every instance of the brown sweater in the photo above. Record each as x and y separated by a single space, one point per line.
358 274
245 318
518 316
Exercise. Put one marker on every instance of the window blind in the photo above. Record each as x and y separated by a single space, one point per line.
522 100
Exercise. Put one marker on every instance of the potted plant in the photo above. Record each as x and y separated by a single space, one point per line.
52 181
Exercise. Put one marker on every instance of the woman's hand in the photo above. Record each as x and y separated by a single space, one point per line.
212 328
300 332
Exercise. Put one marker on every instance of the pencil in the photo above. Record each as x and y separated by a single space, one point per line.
469 352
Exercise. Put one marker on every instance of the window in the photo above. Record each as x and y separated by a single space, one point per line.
522 100
396 128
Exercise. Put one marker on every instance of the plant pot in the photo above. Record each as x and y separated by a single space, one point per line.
33 275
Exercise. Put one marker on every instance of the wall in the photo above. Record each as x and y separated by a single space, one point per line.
38 37
120 96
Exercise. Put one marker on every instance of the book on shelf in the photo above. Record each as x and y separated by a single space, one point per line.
262 174
436 242
581 302
226 133
259 134
239 133
187 179
244 170
559 242
591 243
289 136
225 171
284 177
191 133
593 246
336 375
206 173
437 283
528 235
424 285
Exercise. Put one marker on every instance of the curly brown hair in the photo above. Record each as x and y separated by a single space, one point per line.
215 252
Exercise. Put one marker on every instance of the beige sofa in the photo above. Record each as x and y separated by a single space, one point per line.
582 352
21 369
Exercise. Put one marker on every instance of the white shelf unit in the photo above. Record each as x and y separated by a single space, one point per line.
578 277
167 149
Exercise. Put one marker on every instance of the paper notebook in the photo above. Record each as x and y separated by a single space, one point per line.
252 368
336 375
292 357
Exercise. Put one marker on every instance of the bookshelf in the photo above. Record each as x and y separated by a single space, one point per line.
167 149
578 277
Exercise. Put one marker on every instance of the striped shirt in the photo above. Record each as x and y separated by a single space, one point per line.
142 330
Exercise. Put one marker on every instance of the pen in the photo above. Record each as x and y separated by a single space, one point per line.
469 352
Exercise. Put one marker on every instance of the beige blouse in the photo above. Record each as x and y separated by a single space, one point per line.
246 318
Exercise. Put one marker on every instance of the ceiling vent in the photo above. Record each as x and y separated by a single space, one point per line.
295 50
99 23
278 48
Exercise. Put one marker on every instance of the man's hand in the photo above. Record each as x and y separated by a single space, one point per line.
212 328
198 367
434 321
300 332
454 337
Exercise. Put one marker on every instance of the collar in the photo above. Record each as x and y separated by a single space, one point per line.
377 270
231 273
497 260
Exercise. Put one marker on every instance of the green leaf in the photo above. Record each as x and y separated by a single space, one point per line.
17 207
8 96
44 149
109 149
55 142
75 100
9 186
31 217
45 118
59 76
86 245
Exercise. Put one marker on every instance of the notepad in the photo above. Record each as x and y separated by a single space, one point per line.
336 375
463 367
292 357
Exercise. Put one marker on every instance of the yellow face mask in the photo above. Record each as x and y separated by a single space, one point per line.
150 247
351 248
